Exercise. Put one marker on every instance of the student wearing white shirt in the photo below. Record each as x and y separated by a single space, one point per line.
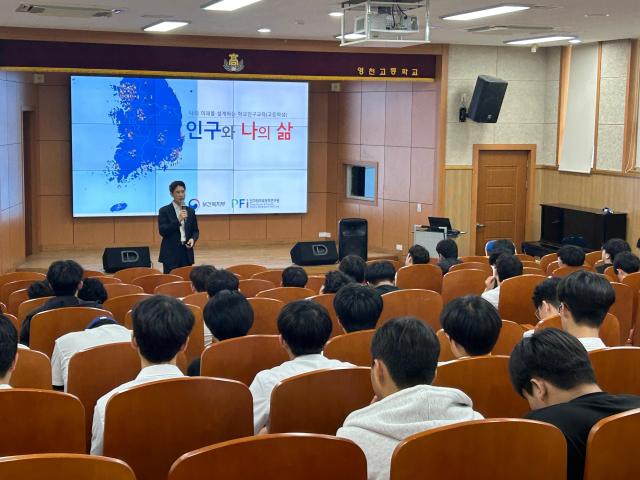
161 328
101 331
585 298
8 350
506 266
305 327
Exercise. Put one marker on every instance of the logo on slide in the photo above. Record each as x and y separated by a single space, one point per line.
240 203
194 203
233 65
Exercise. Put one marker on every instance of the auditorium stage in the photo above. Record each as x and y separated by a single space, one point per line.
271 255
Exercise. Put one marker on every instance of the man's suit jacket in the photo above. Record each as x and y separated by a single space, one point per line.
169 227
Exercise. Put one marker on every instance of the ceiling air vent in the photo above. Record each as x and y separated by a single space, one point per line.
64 11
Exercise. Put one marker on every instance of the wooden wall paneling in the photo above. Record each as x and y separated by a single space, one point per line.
597 122
248 227
54 159
398 133
4 176
630 146
284 227
563 97
423 172
332 117
396 219
372 123
315 218
373 154
332 168
396 183
317 167
375 216
457 203
442 80
54 112
136 230
331 222
318 116
349 115
93 231
213 228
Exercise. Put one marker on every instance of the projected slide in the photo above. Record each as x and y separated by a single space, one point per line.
240 146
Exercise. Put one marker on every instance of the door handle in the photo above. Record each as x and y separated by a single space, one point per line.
480 225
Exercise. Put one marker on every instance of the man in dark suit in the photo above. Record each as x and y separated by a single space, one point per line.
179 230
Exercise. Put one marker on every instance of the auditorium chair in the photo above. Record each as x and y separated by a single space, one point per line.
592 258
3 307
178 289
108 280
115 290
610 273
271 275
150 426
532 271
633 280
510 335
422 276
93 273
127 275
40 421
246 270
462 282
28 306
15 299
183 272
552 267
609 330
423 304
397 265
150 282
315 283
566 271
275 457
475 258
198 299
612 451
252 286
486 380
523 257
64 466
482 266
496 449
319 401
96 371
515 302
14 276
354 347
446 355
33 370
47 326
120 305
617 369
622 308
326 300
243 357
265 316
13 319
287 294
10 287
530 264
547 259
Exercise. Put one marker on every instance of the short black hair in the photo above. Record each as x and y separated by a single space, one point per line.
571 255
354 266
409 348
228 315
335 280
419 254
175 184
101 322
65 276
199 276
547 291
496 254
501 244
552 355
627 262
614 246
221 279
305 326
93 291
380 271
508 266
588 297
358 307
294 277
39 289
161 326
447 248
8 344
472 322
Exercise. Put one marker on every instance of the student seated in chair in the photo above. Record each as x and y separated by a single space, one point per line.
585 298
199 277
65 278
570 256
39 289
417 255
294 277
217 281
161 328
447 254
381 276
552 371
305 327
610 250
354 266
334 281
472 325
501 245
8 351
506 266
227 315
545 298
624 264
358 307
405 353
93 291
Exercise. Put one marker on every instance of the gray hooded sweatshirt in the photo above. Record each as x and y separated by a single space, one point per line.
380 427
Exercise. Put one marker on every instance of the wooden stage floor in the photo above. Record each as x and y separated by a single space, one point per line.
271 255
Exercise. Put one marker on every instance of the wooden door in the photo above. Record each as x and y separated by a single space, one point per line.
501 196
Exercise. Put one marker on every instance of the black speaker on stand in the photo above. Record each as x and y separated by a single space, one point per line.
353 237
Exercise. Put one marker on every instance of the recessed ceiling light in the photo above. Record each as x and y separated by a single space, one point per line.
485 12
352 36
264 30
535 41
575 41
164 26
336 14
227 5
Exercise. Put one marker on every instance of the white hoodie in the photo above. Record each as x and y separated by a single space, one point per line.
380 427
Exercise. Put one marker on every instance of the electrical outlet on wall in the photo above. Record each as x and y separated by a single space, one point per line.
419 208
399 247
324 234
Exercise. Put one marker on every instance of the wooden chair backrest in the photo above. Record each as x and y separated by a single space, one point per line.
515 298
287 294
499 449
119 306
326 300
354 347
10 287
115 290
547 259
183 272
482 266
475 258
108 280
423 304
242 358
33 370
275 457
93 273
633 280
424 276
64 466
609 330
3 307
28 306
272 275
40 421
530 263
150 282
510 335
179 289
265 316
565 271
611 447
459 283
315 283
13 276
251 286
195 412
617 369
47 326
552 267
524 257
593 257
15 299
13 319
446 354
486 380
610 273
198 299
622 308
246 270
319 401
397 265
532 271
129 274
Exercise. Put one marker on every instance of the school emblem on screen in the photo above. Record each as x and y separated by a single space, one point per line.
232 64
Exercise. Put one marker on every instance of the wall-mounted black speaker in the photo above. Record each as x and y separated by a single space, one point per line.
314 253
119 258
353 237
487 99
